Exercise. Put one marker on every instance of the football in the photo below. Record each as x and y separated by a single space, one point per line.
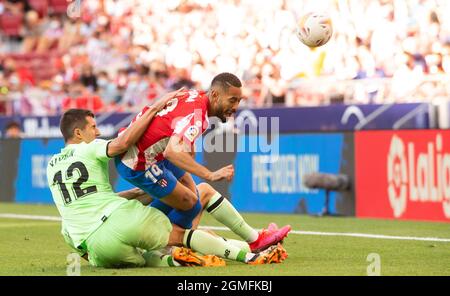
314 29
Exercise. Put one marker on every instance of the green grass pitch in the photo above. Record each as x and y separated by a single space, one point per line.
30 247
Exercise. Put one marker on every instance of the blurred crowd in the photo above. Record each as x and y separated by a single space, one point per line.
119 55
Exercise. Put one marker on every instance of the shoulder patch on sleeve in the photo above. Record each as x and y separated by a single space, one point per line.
182 123
192 132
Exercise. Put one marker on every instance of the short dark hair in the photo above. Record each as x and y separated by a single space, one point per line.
225 80
72 119
12 124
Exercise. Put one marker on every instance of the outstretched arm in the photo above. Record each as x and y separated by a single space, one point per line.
137 194
135 131
178 152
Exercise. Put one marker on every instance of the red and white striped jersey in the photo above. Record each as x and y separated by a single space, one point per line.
185 116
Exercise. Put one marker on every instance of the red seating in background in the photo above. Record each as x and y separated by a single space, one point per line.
42 66
93 103
11 24
58 6
41 6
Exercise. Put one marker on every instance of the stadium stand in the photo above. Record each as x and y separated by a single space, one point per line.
11 24
139 49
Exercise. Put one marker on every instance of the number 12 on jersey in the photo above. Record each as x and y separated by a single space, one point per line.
77 191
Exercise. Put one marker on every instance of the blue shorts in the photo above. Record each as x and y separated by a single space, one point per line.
158 181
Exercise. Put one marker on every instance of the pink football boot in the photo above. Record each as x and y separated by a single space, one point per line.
268 237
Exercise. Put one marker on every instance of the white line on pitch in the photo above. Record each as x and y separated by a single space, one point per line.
30 217
361 235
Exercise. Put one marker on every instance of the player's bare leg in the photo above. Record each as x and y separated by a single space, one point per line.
188 181
182 198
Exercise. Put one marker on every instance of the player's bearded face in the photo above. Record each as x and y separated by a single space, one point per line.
220 112
228 102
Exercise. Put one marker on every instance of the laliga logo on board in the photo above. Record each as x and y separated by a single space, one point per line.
424 178
397 176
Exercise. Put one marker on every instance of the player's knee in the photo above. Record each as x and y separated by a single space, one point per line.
205 189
